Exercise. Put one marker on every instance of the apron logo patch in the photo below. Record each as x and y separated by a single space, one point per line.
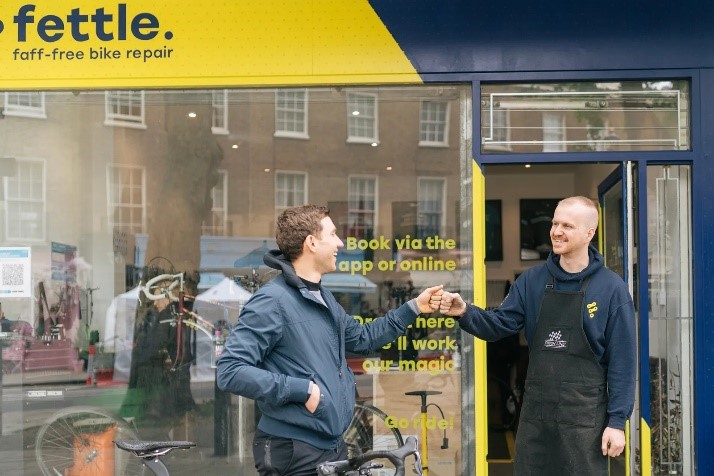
592 308
556 341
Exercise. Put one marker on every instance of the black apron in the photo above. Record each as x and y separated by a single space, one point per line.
565 401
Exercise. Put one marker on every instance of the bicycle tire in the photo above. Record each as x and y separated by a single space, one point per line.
369 431
79 440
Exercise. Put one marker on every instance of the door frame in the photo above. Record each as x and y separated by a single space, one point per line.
622 176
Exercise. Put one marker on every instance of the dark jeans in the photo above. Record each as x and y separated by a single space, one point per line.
275 456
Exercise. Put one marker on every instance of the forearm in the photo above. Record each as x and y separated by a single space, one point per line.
370 337
236 377
488 325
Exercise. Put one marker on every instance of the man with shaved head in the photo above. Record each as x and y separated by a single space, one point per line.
579 320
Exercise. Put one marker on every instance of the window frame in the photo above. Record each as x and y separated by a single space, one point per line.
351 118
279 207
304 112
115 119
558 131
355 211
442 212
499 136
111 207
9 201
222 212
19 110
424 122
219 103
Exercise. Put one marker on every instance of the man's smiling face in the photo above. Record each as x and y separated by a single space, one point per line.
327 244
572 228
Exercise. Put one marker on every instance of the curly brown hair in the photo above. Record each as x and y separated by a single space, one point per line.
295 224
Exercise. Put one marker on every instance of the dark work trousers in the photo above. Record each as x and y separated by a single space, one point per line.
275 456
565 401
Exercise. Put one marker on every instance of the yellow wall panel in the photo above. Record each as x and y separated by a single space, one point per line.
184 43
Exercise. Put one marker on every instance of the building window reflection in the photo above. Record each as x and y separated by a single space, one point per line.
434 123
291 113
219 101
216 224
25 199
553 132
362 118
362 207
290 190
585 116
430 206
126 188
125 108
26 104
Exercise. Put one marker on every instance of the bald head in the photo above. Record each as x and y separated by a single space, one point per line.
574 223
585 207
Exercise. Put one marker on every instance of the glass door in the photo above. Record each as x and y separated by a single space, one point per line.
656 200
670 320
617 241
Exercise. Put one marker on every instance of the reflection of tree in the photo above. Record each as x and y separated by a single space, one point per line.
184 179
181 181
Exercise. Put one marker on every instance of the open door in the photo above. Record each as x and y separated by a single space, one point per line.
646 238
616 241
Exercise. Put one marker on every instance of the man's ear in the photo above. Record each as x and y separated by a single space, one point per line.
591 234
309 243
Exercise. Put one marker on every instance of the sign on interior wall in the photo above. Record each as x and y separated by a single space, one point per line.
107 44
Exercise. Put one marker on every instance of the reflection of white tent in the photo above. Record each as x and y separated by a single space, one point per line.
222 302
226 296
348 283
119 331
454 281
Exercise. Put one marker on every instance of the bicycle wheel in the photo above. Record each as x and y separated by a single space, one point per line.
369 431
79 440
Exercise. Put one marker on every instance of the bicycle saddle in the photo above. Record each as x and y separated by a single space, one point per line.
152 448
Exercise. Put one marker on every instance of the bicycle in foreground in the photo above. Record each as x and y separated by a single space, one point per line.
150 452
363 464
78 440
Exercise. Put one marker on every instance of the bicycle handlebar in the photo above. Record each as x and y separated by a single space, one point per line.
167 292
397 457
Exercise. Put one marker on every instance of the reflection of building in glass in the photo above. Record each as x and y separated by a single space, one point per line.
577 117
122 161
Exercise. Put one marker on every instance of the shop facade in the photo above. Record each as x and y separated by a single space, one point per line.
145 148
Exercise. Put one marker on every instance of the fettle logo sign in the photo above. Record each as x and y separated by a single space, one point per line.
100 25
126 44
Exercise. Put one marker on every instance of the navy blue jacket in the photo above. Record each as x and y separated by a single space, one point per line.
285 338
608 322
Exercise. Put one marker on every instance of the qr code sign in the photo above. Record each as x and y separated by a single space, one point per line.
12 274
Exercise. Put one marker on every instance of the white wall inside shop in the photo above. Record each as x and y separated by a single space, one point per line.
511 183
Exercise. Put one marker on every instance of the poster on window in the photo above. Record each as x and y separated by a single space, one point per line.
15 272
64 262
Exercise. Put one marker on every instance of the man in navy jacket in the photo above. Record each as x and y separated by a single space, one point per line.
580 325
287 351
